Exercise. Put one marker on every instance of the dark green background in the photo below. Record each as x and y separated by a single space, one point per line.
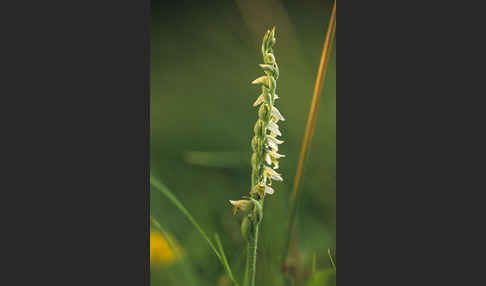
203 57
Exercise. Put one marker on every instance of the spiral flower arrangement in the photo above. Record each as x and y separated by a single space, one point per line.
264 159
265 143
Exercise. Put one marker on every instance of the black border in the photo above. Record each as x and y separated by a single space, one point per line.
147 132
76 142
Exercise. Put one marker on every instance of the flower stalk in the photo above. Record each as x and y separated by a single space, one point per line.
264 159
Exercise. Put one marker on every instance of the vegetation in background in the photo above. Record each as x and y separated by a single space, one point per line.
200 125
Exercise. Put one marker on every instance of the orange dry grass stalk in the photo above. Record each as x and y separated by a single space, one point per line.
326 50
321 74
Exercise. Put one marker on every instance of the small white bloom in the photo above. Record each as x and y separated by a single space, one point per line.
275 164
275 155
271 157
269 190
269 173
268 159
273 127
273 142
262 188
276 114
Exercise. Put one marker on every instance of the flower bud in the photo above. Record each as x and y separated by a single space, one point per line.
264 112
254 160
241 205
271 70
262 80
271 38
267 41
272 83
267 96
277 71
259 129
259 100
269 59
254 144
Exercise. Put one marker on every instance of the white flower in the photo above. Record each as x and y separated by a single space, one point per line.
268 159
263 188
273 127
270 174
269 190
276 114
272 157
275 155
273 142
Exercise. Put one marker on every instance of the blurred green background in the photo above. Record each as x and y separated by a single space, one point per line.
204 54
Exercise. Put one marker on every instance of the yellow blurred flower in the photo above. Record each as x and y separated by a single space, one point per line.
161 252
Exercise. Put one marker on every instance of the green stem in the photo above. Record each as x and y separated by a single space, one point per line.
247 266
252 255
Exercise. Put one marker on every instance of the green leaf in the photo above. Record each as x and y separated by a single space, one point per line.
323 278
155 224
225 260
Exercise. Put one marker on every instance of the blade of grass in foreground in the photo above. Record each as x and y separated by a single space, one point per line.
223 258
159 186
332 259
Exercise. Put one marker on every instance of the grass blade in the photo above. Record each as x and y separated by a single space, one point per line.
332 259
223 257
166 192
